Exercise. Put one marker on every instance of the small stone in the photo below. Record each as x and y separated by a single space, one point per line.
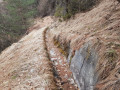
71 81
56 63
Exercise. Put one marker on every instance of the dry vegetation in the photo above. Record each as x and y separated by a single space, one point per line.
25 64
29 66
101 26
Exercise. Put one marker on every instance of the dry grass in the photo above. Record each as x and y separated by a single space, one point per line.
100 25
25 64
111 55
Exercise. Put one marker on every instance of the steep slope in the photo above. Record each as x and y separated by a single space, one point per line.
92 44
25 64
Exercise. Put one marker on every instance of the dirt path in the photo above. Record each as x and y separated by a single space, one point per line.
40 23
63 74
25 65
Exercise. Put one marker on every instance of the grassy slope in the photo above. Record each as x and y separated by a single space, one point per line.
101 26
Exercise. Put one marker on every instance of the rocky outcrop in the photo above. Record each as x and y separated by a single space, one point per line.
82 65
94 46
90 42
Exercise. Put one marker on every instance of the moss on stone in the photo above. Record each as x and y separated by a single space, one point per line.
88 53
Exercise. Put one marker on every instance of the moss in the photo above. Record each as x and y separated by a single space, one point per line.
70 60
61 48
88 53
56 43
62 52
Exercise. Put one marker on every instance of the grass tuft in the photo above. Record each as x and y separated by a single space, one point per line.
111 55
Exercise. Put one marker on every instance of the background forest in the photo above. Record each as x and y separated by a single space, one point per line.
17 15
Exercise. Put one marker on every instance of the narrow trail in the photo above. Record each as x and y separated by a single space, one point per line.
62 73
25 64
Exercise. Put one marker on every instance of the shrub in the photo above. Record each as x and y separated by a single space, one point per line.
14 20
58 12
66 16
67 8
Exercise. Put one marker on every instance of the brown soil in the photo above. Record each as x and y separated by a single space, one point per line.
101 26
64 76
25 65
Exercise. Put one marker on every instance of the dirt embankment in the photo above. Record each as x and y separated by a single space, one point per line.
92 43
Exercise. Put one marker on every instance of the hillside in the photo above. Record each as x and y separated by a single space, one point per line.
92 39
80 53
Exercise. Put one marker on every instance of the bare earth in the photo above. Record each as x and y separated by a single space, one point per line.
25 66
63 75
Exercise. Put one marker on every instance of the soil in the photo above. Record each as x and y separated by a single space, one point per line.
63 74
